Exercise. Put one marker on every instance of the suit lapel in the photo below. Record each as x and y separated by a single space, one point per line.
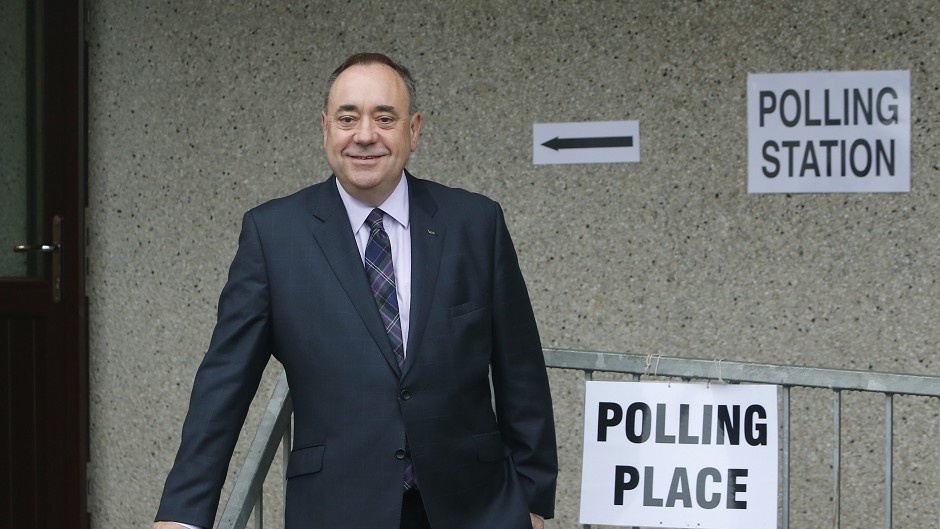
332 233
427 241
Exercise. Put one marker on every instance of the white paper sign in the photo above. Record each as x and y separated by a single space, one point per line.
679 455
829 132
586 142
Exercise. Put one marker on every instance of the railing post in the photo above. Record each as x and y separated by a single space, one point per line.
889 458
285 453
786 458
250 480
259 510
837 460
588 376
636 378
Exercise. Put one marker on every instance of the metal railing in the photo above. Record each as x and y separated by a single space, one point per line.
274 428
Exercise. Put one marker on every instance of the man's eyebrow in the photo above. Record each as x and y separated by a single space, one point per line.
349 107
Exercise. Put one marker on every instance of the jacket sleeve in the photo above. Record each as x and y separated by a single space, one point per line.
520 382
223 389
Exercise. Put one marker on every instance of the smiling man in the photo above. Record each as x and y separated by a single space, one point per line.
370 128
396 305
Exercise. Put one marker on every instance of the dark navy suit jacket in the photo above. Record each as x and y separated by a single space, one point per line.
297 291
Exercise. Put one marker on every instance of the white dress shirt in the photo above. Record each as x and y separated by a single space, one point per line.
396 223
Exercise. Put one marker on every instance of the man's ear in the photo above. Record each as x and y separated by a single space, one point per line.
415 130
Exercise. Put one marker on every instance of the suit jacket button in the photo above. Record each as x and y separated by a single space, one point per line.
405 394
400 453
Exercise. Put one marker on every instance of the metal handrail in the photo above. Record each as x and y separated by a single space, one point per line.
273 429
275 423
747 372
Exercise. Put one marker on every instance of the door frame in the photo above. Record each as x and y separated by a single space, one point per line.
65 130
55 469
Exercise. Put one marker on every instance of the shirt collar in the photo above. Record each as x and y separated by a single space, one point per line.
395 206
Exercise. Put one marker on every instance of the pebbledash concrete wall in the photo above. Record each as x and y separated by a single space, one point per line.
200 110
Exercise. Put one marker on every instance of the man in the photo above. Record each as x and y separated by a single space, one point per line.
388 300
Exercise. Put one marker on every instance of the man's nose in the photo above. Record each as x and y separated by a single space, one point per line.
365 131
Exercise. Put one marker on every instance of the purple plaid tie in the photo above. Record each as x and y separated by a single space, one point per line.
381 274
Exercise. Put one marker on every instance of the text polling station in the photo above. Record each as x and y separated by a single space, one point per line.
679 455
829 132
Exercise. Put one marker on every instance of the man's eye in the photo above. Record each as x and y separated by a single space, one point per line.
346 121
386 121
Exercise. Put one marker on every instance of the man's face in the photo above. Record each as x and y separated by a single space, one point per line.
368 133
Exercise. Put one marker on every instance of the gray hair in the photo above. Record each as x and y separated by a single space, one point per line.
365 59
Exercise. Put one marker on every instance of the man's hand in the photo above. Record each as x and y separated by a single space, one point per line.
167 525
537 523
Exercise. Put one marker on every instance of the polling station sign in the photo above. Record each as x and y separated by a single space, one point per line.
679 455
829 132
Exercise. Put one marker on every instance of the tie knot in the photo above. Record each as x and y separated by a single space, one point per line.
374 220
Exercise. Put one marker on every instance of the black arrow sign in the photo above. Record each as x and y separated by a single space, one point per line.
589 143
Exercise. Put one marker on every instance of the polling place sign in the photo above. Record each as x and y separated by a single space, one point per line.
829 132
679 455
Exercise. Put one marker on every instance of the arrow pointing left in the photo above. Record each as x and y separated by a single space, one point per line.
586 142
589 143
